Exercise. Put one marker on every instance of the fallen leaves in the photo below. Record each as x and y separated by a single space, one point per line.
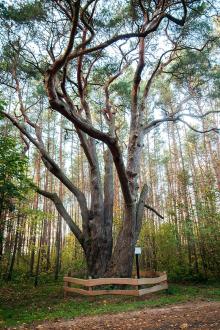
182 317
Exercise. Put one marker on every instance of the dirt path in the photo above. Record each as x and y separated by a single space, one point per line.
200 315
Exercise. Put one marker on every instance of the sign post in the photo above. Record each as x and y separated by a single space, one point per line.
137 253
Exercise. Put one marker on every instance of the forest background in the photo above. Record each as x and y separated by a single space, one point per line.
180 161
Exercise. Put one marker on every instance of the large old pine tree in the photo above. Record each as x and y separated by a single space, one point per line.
88 53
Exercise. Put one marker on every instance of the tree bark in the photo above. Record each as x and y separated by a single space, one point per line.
11 267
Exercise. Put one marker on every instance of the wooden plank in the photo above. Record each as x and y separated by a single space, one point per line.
115 292
102 292
106 281
101 281
148 273
154 288
154 280
77 281
76 290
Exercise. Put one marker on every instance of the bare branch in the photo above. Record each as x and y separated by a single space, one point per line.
153 210
216 130
199 116
157 122
175 118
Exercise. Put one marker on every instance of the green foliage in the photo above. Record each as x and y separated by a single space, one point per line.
14 183
183 177
103 71
2 105
196 25
122 88
197 69
24 12
73 257
164 248
110 19
12 58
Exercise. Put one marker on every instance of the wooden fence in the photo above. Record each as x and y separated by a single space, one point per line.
159 282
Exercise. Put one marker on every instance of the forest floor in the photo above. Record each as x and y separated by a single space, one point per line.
199 316
183 306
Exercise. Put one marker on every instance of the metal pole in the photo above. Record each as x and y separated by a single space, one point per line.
137 266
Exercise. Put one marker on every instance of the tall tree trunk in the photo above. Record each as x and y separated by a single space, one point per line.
122 258
11 267
2 226
33 228
58 247
59 223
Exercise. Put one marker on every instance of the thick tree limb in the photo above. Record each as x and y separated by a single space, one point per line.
54 168
108 193
140 209
151 27
178 21
62 59
135 131
69 112
64 214
112 143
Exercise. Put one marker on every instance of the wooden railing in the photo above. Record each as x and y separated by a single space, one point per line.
159 283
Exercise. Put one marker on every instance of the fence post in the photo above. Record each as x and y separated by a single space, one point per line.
90 288
65 292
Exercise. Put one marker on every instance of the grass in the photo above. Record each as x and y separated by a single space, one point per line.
25 304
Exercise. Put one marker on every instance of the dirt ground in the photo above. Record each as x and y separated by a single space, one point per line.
200 315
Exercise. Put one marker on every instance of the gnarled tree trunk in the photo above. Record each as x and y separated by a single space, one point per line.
95 236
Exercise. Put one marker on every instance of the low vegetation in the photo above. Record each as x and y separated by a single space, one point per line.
25 304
